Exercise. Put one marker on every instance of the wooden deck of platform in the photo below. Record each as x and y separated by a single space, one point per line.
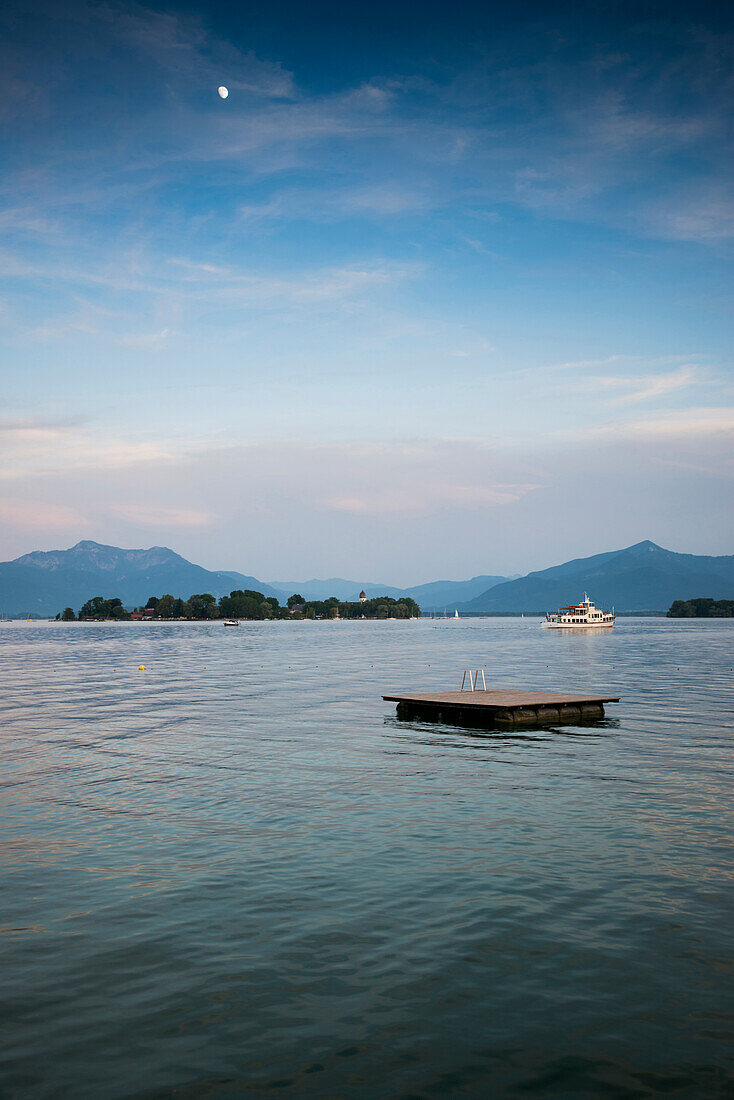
501 707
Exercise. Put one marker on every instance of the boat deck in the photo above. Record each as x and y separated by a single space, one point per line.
503 707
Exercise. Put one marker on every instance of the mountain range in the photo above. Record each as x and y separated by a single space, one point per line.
434 596
45 582
643 577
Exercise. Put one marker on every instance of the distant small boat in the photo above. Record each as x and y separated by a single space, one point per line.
231 622
578 615
456 613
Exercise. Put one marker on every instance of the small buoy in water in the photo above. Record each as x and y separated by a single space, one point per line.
141 668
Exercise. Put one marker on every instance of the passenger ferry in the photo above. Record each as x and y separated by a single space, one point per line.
579 615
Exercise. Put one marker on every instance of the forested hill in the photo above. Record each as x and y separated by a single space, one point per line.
44 581
643 577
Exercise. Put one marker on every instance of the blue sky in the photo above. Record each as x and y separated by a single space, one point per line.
438 290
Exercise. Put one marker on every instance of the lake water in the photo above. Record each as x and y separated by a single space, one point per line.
237 873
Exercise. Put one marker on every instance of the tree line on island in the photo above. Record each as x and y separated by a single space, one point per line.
242 605
249 604
701 608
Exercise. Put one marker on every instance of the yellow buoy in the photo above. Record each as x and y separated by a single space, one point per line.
141 668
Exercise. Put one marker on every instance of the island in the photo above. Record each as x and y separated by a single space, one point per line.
701 608
246 604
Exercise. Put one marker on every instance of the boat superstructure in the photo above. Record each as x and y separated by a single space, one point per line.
578 615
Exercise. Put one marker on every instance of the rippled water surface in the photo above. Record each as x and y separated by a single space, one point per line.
237 873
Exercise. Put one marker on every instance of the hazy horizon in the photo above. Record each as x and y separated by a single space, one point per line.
434 292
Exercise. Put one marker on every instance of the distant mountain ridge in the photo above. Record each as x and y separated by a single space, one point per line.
343 589
433 596
643 577
44 582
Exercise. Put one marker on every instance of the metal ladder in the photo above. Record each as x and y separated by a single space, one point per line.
473 674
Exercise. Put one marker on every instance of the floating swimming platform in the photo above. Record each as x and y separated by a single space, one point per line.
503 708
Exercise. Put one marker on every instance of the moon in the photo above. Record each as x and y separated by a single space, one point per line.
223 92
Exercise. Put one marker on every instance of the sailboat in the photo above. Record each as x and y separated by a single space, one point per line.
456 613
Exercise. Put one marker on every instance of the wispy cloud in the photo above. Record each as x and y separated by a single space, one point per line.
639 388
645 389
51 426
38 447
427 499
164 299
146 275
379 199
148 340
705 216
186 51
698 422
162 517
324 284
640 361
39 515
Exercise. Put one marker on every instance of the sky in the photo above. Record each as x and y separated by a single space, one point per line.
438 290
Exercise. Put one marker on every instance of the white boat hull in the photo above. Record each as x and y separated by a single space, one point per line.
579 626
